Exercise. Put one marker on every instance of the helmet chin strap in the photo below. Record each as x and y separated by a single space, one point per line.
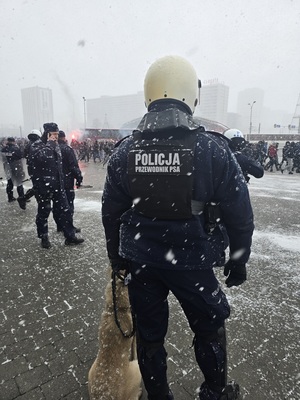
197 101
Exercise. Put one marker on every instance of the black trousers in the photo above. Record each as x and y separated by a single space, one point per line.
56 201
10 188
70 195
206 309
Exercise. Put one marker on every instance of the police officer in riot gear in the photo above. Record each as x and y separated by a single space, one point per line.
13 167
160 180
33 136
237 143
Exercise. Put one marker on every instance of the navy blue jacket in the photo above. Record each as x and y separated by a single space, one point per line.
12 152
70 165
249 166
45 166
12 162
181 244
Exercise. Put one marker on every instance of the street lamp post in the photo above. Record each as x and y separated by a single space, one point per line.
250 127
84 113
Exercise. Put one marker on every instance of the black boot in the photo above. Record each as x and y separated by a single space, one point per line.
45 242
230 392
73 241
170 395
11 199
22 202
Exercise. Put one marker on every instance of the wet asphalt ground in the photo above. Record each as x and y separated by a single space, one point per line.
51 301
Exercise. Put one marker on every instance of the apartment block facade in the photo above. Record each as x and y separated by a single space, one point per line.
37 107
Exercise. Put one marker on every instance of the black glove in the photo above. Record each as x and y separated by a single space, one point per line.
119 264
236 273
78 182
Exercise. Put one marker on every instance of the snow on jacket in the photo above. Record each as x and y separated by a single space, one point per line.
70 165
45 166
180 244
249 166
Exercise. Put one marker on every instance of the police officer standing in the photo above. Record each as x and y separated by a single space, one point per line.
237 143
71 173
34 135
48 184
13 167
161 181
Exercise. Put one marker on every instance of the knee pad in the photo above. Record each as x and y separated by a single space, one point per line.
218 336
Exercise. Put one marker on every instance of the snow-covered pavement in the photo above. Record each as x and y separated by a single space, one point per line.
51 301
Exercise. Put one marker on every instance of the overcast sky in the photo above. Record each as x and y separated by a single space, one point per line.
104 47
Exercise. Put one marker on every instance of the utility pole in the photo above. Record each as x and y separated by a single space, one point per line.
84 113
297 115
250 127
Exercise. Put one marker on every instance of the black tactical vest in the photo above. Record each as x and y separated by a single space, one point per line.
160 167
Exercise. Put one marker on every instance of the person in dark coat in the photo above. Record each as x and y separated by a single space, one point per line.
48 182
13 167
174 197
288 157
248 165
71 173
34 135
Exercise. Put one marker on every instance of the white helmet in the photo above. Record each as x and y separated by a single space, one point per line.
233 133
35 132
172 77
237 141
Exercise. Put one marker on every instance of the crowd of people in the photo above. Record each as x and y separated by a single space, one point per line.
268 157
95 149
254 158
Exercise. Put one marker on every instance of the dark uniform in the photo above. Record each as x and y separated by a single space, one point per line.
238 145
249 166
287 156
71 172
13 166
163 183
45 168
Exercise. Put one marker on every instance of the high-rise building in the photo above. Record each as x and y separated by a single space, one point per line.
37 107
213 101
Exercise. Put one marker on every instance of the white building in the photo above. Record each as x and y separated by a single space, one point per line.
213 101
37 108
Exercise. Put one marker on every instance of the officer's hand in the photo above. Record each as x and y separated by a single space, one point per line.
78 183
119 264
236 273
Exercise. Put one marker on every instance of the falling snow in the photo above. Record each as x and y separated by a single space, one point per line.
54 298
